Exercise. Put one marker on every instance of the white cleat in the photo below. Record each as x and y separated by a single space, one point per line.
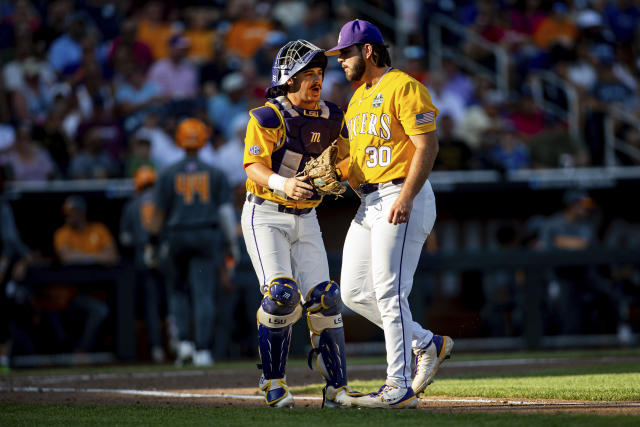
276 392
428 361
342 397
388 396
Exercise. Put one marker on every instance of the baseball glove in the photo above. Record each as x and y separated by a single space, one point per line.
322 172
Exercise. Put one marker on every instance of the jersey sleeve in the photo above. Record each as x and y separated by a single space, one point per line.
416 112
260 143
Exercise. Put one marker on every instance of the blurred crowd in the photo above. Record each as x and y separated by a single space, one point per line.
94 88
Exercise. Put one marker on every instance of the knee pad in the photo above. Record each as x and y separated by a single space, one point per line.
279 310
324 298
324 319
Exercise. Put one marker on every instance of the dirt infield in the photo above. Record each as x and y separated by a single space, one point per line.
237 387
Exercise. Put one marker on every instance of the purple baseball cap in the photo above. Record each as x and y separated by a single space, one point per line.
356 32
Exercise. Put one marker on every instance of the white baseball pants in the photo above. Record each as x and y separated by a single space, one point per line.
378 263
284 245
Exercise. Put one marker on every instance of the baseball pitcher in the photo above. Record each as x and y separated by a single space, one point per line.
393 145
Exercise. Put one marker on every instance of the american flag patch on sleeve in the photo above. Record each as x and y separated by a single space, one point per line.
424 118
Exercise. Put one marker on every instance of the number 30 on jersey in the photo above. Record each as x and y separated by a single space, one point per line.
378 156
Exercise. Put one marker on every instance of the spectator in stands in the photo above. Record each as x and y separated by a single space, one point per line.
608 92
139 155
526 117
28 160
623 19
33 99
315 25
13 71
65 53
231 153
164 151
52 137
153 30
231 102
483 116
555 147
126 42
510 152
415 64
454 153
81 242
249 28
557 29
135 236
175 76
449 103
136 97
457 81
92 160
202 38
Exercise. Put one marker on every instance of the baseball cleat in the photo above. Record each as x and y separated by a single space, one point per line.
428 361
342 397
276 392
389 396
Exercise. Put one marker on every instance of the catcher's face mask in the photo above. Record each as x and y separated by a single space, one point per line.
292 58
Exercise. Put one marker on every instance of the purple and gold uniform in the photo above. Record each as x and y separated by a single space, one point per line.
284 137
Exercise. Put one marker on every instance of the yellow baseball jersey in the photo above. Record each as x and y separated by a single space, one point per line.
380 120
283 137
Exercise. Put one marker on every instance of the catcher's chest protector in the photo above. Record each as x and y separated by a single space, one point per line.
308 133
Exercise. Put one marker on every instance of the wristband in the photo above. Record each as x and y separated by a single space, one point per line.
276 182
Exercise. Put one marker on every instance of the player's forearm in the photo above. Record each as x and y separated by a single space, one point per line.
421 164
259 173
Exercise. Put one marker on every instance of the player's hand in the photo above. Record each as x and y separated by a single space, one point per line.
297 189
400 211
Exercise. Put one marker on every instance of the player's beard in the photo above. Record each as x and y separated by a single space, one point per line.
357 71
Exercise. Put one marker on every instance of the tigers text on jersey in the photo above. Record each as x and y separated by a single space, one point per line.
284 137
380 120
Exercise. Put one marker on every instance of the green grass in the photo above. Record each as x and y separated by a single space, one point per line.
65 415
610 382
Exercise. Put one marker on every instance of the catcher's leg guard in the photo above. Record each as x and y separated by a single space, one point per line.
324 318
279 310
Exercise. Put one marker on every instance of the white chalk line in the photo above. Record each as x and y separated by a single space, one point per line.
52 379
155 393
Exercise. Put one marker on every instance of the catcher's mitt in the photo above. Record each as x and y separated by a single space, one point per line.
322 172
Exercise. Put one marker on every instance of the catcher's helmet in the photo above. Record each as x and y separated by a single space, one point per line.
293 57
143 177
192 134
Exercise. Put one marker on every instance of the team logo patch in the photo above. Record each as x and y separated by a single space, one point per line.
254 149
377 101
424 118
